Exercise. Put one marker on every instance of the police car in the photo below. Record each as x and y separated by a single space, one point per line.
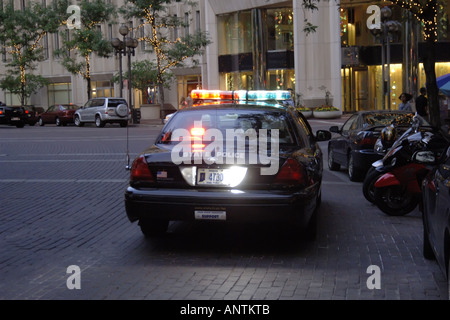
232 156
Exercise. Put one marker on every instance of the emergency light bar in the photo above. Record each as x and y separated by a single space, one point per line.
259 95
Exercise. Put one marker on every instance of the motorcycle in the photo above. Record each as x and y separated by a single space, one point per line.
396 179
386 140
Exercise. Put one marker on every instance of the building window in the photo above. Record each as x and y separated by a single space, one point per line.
175 30
101 89
12 99
198 27
56 41
236 33
144 44
186 24
110 32
280 79
3 52
280 29
45 47
59 93
237 80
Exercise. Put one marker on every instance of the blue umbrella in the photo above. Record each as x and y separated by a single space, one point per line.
443 83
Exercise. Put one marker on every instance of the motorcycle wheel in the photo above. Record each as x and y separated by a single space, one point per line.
368 188
395 200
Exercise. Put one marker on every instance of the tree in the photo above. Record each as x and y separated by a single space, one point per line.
144 75
425 11
169 53
21 32
80 43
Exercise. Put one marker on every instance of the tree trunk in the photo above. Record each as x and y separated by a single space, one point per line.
431 85
160 86
88 76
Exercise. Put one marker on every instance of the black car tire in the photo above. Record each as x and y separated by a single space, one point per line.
354 173
448 276
310 231
153 227
99 123
427 249
78 122
385 199
58 122
41 122
333 166
368 188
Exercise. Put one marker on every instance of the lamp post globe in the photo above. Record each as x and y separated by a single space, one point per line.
123 30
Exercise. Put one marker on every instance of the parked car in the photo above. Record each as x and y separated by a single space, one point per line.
354 146
211 175
13 116
31 115
59 114
436 214
103 110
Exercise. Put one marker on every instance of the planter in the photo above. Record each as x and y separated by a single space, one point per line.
327 114
307 113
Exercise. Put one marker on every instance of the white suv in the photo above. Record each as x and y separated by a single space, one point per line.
103 110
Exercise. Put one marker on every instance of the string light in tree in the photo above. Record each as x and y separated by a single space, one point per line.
425 13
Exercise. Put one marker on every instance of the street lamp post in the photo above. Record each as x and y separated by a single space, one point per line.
126 47
388 28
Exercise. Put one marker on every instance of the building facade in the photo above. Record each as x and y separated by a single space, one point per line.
260 44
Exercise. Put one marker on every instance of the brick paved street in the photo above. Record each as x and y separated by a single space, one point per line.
61 194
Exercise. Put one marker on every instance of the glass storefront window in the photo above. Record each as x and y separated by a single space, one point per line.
59 93
237 81
102 89
235 30
441 68
281 79
280 29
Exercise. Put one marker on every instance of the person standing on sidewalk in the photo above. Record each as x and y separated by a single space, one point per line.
422 104
405 105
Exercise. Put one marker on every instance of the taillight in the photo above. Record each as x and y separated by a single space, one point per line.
368 141
291 172
140 170
1 111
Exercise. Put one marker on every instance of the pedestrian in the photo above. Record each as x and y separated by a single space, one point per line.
422 103
189 101
405 105
183 103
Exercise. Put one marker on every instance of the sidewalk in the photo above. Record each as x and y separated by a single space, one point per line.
150 122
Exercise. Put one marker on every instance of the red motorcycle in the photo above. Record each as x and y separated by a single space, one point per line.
397 190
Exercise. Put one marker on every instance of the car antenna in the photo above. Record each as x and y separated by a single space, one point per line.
128 167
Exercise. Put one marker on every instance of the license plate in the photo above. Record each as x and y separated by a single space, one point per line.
210 215
211 176
15 119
